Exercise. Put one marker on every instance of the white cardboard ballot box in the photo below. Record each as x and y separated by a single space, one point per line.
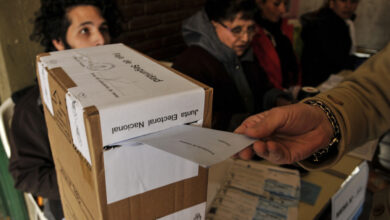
96 97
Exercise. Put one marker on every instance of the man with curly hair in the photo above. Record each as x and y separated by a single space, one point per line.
59 25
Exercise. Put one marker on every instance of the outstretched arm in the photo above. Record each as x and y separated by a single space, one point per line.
287 134
360 105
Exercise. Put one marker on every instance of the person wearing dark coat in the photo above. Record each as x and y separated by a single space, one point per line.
273 46
219 55
327 41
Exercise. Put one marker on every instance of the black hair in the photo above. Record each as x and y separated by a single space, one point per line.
51 22
218 10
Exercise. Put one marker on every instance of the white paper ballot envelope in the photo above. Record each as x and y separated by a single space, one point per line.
203 146
133 94
166 157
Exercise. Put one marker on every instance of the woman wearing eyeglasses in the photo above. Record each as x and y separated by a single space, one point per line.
328 37
272 45
220 56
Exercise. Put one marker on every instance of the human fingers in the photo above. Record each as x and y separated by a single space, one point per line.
260 148
241 129
249 122
273 152
245 154
266 123
281 149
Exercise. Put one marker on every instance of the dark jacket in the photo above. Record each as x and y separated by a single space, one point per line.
239 83
274 51
31 163
327 45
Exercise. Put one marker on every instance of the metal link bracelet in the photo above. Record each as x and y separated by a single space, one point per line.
331 149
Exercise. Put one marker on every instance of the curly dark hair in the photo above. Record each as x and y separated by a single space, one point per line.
218 10
51 22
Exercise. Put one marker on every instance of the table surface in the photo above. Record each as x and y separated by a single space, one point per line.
329 180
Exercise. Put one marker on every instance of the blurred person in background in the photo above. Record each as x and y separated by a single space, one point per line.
273 48
219 55
328 37
59 25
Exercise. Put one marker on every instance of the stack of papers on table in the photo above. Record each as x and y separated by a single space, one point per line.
255 191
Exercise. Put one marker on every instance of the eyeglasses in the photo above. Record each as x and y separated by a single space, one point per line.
240 31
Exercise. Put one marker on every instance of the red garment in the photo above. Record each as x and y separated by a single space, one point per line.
268 57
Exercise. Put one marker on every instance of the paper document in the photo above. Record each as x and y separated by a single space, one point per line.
201 145
365 151
134 169
158 159
195 212
351 195
255 191
331 82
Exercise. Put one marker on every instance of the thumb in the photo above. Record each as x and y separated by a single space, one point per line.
266 124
